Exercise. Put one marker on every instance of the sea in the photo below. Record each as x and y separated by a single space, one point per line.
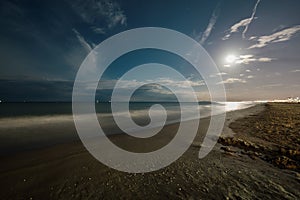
34 109
27 114
25 126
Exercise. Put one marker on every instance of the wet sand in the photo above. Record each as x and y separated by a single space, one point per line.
68 171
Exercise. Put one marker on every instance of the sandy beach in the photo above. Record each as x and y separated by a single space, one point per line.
257 157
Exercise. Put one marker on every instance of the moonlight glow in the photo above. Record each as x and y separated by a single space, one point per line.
231 58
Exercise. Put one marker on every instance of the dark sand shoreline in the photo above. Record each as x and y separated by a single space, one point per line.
271 135
68 171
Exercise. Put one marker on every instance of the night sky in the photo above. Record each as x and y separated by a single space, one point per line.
255 44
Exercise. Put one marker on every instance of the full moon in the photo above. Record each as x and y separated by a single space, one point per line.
230 58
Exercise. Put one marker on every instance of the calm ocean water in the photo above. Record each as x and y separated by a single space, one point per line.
26 126
11 110
22 114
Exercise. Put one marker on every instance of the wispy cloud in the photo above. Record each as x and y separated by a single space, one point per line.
265 59
181 84
211 24
251 18
98 30
233 80
280 36
247 59
80 50
149 89
127 84
269 85
218 74
100 14
87 47
235 28
158 89
243 23
296 70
